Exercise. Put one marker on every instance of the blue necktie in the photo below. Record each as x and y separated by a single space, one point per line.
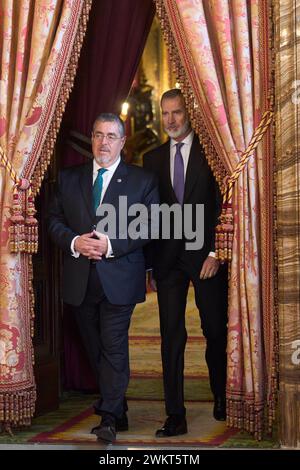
97 188
178 180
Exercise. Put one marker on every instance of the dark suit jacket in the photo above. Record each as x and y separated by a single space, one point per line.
200 188
71 214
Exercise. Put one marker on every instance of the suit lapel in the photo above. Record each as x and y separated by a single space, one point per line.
167 174
112 192
116 184
86 185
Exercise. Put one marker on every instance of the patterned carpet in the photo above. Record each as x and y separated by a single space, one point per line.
145 341
72 422
144 418
145 361
145 392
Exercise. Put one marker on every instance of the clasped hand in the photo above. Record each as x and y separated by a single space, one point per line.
93 245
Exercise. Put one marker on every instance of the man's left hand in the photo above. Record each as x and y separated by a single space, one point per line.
209 268
104 243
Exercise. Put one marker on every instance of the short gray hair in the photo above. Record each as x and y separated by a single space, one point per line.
170 94
110 117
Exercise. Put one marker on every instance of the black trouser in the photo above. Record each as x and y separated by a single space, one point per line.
211 300
104 329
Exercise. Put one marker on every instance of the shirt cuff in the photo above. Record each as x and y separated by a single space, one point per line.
74 253
109 253
212 254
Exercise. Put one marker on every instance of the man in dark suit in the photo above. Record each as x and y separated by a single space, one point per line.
104 274
185 178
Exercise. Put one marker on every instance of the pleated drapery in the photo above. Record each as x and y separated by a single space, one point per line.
221 51
40 43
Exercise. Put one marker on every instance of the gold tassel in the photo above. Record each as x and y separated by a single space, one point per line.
16 230
224 234
31 225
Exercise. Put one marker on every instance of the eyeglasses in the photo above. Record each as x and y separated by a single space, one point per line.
109 137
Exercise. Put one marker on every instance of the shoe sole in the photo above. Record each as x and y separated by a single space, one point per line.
106 436
159 436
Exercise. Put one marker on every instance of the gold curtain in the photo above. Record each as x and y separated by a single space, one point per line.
222 54
40 43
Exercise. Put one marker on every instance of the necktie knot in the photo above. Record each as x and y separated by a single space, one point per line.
178 146
101 171
97 188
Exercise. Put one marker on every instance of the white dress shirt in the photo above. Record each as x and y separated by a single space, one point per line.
185 152
107 176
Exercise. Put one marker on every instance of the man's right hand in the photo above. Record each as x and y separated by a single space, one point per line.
88 246
151 282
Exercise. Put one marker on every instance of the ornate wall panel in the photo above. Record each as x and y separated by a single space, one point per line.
287 45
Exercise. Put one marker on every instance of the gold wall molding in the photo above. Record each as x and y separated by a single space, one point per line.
287 89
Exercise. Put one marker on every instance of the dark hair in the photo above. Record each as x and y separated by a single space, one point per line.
110 117
173 93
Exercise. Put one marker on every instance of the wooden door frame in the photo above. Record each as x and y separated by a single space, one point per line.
287 145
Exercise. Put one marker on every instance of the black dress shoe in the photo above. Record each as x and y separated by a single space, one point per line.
121 424
106 431
174 426
220 409
106 434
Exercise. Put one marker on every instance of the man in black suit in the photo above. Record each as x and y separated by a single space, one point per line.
185 178
104 273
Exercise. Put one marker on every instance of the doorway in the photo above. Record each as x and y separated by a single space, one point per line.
61 362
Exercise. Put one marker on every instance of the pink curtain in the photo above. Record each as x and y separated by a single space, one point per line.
39 47
221 52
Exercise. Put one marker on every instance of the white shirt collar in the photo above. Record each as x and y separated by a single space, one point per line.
112 167
187 140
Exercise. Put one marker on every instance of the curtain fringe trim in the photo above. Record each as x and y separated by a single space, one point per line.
274 376
255 418
17 408
191 103
66 88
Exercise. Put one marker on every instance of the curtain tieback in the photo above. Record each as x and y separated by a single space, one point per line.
224 230
23 231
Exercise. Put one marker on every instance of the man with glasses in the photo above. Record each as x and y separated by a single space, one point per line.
104 275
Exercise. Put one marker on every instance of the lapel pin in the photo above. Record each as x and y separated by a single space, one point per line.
119 181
